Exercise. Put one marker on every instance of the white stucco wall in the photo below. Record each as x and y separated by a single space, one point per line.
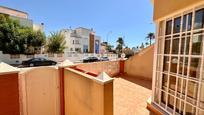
82 35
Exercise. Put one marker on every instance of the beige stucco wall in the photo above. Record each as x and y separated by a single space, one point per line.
13 12
39 91
141 64
112 68
38 27
84 96
163 8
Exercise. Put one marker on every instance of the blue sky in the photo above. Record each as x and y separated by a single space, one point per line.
131 19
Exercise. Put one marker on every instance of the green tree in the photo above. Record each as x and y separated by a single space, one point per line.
109 47
16 39
9 35
128 52
150 37
146 43
120 45
56 43
33 40
38 40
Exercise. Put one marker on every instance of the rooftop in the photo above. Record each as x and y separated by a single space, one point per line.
14 9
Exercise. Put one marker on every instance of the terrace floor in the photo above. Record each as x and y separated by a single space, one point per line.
131 95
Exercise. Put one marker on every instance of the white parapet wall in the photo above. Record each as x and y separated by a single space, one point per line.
18 58
73 57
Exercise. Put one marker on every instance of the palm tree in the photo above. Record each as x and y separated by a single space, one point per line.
56 43
109 47
150 37
142 46
146 43
120 45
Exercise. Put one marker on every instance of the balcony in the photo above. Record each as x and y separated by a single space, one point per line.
101 88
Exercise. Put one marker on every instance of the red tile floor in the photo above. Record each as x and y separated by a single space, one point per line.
131 95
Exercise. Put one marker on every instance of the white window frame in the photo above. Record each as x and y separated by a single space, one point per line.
189 56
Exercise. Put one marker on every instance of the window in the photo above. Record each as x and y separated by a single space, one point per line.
179 60
168 27
85 49
185 66
156 95
166 64
192 89
174 63
187 45
187 24
199 19
200 112
163 97
171 101
195 68
77 42
167 46
36 59
175 46
164 81
190 110
181 87
189 21
181 64
182 45
42 59
179 106
184 23
197 44
177 25
172 83
78 50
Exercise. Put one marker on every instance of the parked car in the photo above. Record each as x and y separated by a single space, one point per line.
90 59
104 59
38 62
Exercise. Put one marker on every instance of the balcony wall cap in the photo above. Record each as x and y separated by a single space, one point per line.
6 68
103 78
66 63
28 69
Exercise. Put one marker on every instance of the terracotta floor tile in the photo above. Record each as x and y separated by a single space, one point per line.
130 96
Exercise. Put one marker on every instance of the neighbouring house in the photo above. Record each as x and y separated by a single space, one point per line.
23 18
178 74
103 48
81 40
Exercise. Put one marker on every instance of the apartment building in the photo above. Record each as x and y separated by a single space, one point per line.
81 40
23 18
178 80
